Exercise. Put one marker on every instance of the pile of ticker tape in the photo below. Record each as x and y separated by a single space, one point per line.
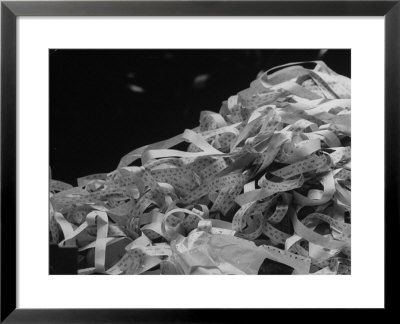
263 187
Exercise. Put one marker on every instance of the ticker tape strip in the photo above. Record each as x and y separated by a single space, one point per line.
273 165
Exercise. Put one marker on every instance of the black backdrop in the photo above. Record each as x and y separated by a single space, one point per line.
105 103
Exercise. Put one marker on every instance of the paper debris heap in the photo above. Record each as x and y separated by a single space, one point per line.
265 183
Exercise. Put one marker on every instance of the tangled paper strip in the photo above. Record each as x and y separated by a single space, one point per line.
268 178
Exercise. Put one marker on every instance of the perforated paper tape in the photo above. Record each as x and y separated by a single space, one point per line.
272 166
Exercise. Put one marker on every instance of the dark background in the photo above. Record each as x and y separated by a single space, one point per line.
105 103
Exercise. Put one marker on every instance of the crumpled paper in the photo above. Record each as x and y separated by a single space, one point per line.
204 253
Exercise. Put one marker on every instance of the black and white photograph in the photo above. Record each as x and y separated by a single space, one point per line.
200 161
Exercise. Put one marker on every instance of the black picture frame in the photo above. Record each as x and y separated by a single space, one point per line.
10 10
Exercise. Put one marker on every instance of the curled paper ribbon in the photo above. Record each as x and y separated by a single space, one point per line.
268 177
